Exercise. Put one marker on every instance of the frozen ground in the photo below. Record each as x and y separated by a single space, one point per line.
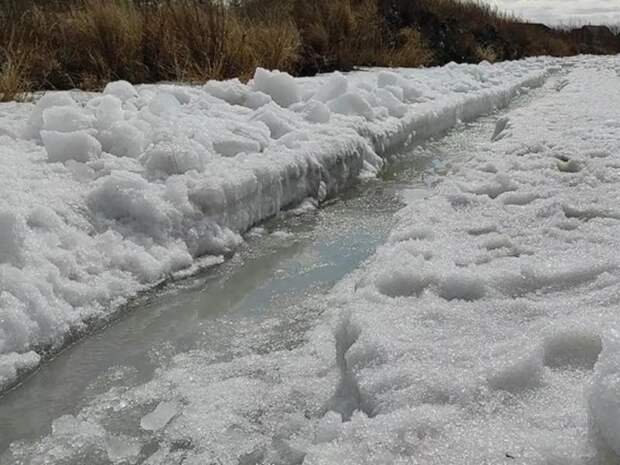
106 195
485 330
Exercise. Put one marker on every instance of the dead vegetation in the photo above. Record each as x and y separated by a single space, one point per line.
61 44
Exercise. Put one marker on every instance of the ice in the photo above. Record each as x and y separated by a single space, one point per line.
160 417
313 111
151 178
335 86
352 104
129 197
387 99
278 85
108 111
64 146
278 122
122 90
172 158
164 103
235 145
387 78
49 100
471 336
123 139
122 450
232 91
66 119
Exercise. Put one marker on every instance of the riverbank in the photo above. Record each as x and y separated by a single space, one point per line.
87 43
106 195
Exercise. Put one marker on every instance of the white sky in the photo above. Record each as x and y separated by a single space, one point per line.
564 11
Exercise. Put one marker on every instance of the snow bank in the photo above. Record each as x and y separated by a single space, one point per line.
470 337
105 195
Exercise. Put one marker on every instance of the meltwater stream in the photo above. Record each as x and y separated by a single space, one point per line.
258 301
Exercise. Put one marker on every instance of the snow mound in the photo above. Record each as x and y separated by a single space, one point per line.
281 87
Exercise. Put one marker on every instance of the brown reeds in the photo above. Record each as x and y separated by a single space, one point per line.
61 44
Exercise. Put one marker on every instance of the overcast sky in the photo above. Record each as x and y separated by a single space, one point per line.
564 11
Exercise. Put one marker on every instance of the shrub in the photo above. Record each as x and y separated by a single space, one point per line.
13 81
60 44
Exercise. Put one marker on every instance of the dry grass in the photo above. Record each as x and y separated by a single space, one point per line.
13 84
110 35
85 43
411 50
92 42
486 53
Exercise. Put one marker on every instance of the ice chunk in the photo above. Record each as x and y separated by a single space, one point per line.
122 90
63 146
125 195
313 111
278 122
232 91
171 158
235 144
122 449
397 92
398 86
108 111
280 86
256 100
66 119
394 106
180 93
294 139
333 88
123 140
164 103
160 417
387 78
352 104
44 217
49 100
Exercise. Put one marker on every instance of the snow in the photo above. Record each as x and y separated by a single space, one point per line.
64 146
103 196
485 330
281 87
